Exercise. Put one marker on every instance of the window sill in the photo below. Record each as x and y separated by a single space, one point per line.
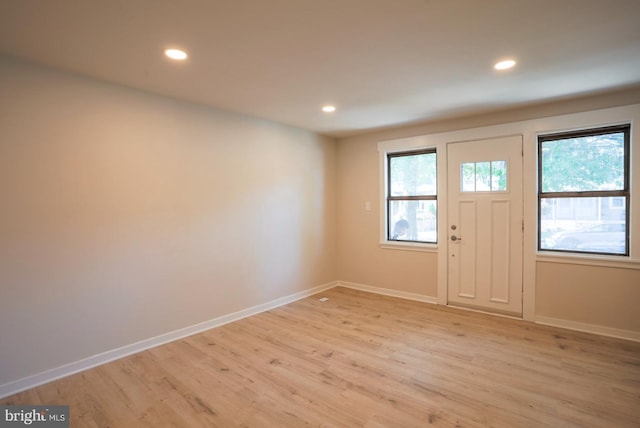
409 246
588 260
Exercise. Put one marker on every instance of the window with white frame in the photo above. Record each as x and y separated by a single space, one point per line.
411 196
583 191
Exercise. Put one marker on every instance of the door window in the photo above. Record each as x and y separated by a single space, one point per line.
487 176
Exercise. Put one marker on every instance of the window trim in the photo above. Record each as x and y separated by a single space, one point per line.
625 128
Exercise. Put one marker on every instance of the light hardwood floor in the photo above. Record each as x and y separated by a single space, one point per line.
362 360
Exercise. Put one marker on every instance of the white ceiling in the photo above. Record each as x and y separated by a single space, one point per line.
383 63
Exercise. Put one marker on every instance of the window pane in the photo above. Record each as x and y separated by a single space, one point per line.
468 176
413 175
584 163
584 224
413 221
498 175
483 176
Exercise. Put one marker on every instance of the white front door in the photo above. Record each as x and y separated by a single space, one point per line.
484 230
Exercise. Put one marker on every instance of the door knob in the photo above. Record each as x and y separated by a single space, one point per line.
455 238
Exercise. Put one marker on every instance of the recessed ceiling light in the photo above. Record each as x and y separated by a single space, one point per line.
504 65
176 54
328 109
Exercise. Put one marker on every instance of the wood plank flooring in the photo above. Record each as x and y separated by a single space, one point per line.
362 360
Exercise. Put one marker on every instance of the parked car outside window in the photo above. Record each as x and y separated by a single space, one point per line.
603 237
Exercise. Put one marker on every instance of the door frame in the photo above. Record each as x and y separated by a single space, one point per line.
512 148
528 204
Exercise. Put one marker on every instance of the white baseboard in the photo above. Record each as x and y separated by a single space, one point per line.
554 322
32 381
388 292
589 328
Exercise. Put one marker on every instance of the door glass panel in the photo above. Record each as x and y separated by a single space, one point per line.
498 175
483 176
488 176
468 172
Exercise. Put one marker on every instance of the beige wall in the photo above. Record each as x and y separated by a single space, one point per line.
126 215
360 258
596 295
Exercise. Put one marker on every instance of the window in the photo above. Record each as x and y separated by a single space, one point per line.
583 191
412 205
483 176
